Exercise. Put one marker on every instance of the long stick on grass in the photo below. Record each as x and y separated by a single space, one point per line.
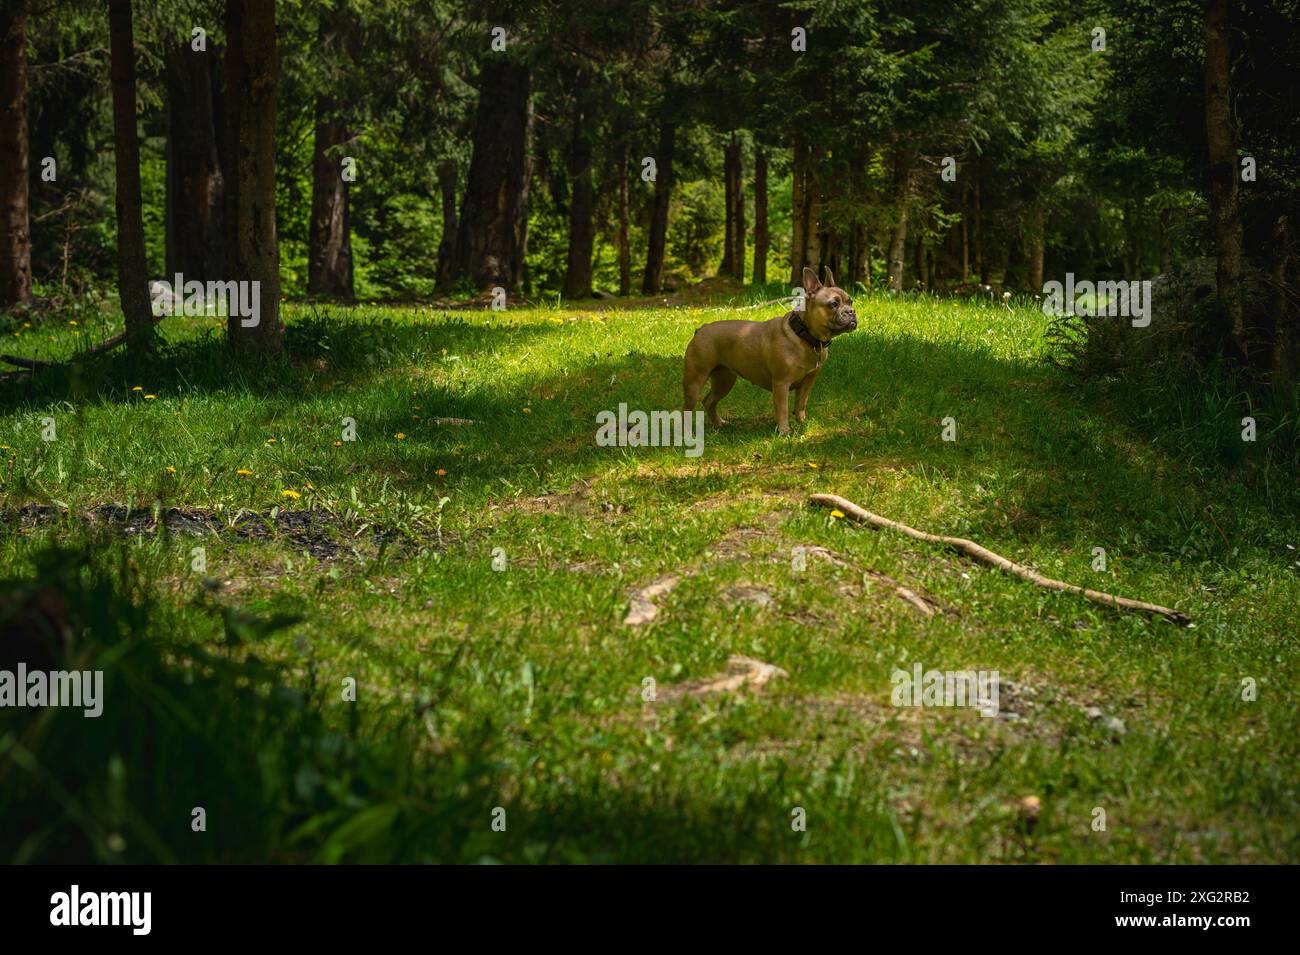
986 556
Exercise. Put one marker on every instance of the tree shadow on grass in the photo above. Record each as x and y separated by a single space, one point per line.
324 352
1032 457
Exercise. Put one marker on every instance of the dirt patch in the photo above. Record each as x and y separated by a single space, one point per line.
316 532
742 673
642 605
577 499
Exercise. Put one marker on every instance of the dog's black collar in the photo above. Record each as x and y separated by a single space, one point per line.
799 328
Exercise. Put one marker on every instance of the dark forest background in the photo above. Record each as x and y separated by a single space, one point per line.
509 143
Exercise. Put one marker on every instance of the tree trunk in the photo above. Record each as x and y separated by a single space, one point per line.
1166 241
760 216
812 229
447 244
965 236
903 199
15 222
329 252
981 267
727 266
1283 368
653 280
798 221
920 261
132 270
582 236
738 217
193 212
1222 141
624 217
252 246
493 234
1037 243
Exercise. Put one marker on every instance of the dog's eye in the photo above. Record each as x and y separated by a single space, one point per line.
835 303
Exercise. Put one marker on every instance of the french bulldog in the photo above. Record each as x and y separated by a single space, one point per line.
775 354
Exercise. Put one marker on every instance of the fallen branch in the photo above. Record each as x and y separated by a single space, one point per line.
108 344
986 556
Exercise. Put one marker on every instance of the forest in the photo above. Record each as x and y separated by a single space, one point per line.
310 311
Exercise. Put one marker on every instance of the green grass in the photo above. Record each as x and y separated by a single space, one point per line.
521 688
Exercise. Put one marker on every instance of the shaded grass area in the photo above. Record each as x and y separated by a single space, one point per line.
520 688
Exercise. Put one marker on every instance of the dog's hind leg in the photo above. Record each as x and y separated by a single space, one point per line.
692 382
721 381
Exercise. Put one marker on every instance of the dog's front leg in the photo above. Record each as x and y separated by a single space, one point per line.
802 393
781 401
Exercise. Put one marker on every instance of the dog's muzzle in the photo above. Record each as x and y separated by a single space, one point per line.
846 320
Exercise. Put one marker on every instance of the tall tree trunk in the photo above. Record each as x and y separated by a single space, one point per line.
1166 241
193 213
653 280
728 266
965 235
798 219
903 177
582 236
1221 137
15 222
624 218
738 216
132 270
1037 243
252 246
1286 343
812 197
329 251
981 266
760 216
493 234
919 258
447 244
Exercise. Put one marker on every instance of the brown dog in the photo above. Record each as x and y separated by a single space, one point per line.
775 354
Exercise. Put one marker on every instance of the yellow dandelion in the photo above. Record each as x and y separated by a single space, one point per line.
440 472
837 513
399 436
813 464
137 388
270 440
528 411
72 322
170 469
244 472
292 495
338 444
150 397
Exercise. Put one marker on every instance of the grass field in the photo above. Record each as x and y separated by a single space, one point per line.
522 687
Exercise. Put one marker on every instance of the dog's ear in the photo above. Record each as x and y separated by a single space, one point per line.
810 283
830 279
